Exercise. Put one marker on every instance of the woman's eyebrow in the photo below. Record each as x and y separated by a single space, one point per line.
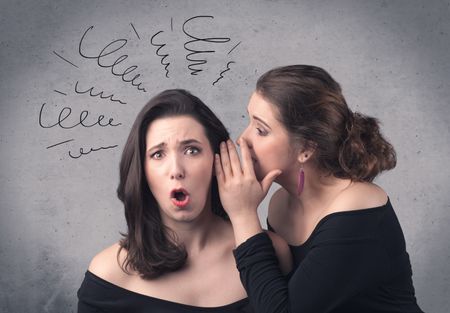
190 141
183 142
158 146
261 121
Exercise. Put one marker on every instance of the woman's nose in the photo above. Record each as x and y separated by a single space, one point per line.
244 136
177 175
177 171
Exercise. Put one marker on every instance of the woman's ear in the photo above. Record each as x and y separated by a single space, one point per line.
306 152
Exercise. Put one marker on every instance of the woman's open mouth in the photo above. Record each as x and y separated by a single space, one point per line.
179 197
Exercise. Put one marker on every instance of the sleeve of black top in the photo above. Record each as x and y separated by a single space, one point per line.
332 272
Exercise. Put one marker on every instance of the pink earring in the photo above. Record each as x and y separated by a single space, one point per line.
301 180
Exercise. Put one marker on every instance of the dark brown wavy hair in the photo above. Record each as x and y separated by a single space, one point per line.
151 247
312 108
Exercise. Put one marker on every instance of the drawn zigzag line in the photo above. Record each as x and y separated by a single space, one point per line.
221 76
163 56
99 94
195 62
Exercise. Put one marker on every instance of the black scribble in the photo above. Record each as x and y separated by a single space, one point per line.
82 152
60 143
100 94
108 50
234 47
60 92
195 66
65 59
163 56
67 111
221 76
135 31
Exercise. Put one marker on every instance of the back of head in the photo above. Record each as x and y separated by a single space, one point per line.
151 247
314 111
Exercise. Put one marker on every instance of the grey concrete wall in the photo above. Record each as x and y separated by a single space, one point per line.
57 211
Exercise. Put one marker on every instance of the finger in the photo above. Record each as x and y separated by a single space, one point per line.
268 180
225 160
218 169
234 158
247 163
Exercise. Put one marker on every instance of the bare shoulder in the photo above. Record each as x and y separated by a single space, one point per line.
106 264
283 252
277 205
360 195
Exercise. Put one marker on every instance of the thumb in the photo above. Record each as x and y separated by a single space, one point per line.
268 180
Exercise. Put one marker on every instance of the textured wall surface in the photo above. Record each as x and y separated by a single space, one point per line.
57 203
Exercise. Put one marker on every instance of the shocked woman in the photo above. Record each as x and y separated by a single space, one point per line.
177 253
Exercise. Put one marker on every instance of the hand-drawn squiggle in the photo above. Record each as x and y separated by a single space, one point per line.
107 50
67 111
221 76
91 90
166 65
90 150
199 62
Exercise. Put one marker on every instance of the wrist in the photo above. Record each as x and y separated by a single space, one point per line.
245 226
244 218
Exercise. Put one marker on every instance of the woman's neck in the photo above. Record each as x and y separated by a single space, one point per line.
196 235
319 189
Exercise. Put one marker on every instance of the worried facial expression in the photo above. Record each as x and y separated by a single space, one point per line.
178 167
268 139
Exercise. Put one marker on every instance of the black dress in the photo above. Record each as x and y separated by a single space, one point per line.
354 261
100 296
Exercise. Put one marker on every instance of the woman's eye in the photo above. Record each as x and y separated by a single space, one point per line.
261 131
192 150
157 155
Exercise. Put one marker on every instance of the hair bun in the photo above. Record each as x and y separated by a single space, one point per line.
364 152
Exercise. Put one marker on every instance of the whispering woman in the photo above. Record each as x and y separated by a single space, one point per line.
348 246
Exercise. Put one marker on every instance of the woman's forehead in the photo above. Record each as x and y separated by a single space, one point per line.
175 130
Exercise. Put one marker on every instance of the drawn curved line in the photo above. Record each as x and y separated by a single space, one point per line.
90 150
163 56
60 143
195 63
100 94
120 59
221 76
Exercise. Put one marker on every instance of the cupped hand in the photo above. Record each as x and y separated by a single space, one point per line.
240 191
